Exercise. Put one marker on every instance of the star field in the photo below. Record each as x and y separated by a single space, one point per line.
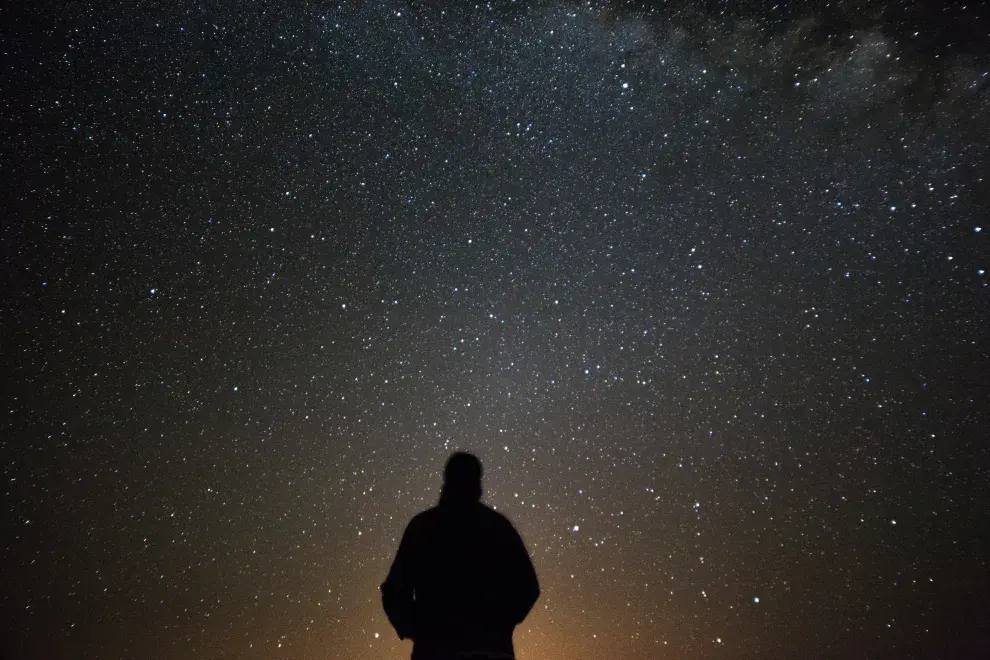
704 287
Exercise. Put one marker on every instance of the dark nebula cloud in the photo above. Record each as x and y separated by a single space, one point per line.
704 287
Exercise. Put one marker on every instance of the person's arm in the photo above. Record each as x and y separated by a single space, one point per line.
399 587
524 577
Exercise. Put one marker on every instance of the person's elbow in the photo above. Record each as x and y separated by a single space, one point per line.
533 596
533 591
534 584
526 602
395 599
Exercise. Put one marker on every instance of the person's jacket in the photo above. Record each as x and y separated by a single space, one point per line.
461 581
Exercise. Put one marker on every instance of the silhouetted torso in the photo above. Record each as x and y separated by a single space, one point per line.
460 583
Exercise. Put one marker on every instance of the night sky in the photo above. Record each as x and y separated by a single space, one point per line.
703 287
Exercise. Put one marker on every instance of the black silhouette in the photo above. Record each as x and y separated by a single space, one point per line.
462 579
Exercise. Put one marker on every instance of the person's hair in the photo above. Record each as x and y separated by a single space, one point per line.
462 477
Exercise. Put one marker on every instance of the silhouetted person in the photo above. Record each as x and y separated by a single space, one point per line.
462 579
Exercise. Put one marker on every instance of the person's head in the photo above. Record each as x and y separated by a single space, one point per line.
462 478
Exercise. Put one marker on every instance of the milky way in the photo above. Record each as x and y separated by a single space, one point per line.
704 288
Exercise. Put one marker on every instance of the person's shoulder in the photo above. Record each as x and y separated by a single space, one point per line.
496 517
425 518
425 514
419 527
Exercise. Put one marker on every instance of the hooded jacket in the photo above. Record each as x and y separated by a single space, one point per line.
461 581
